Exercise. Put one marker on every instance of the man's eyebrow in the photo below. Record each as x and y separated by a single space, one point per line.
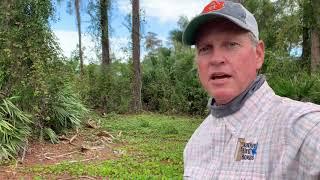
202 44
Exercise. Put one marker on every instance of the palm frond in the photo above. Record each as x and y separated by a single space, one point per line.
65 111
14 129
49 133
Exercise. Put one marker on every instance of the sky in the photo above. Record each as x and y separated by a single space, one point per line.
161 17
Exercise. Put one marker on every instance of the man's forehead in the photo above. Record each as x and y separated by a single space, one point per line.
218 25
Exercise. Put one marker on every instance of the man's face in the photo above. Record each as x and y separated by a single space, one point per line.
227 59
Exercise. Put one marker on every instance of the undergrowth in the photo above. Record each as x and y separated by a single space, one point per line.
152 149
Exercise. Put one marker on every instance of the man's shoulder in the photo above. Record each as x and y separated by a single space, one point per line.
299 117
284 107
207 123
298 108
303 129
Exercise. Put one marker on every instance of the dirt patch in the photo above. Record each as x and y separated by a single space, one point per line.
88 145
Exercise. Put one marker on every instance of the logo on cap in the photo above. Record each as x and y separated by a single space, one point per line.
213 6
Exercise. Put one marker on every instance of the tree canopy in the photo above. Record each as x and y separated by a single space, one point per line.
43 93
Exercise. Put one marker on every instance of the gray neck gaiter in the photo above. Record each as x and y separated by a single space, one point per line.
234 105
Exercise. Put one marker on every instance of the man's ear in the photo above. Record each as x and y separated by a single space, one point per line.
259 54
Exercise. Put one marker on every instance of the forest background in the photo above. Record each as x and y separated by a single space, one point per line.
43 93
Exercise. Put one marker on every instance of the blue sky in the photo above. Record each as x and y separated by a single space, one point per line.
161 17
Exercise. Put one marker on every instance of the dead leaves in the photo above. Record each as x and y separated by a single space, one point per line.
92 124
84 144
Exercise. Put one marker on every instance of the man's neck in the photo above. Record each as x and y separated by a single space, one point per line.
234 105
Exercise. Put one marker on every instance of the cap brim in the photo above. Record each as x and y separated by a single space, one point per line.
189 34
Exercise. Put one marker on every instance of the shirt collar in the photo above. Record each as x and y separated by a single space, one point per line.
236 103
257 103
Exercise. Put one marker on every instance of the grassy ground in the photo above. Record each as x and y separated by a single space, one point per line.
151 148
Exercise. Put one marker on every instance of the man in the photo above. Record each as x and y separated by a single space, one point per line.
251 133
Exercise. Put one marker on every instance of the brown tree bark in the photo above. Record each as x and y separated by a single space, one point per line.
77 6
136 85
104 23
306 45
306 35
315 37
315 50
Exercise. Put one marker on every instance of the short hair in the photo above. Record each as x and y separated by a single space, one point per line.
253 38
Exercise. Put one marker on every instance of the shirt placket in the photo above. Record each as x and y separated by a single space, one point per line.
222 146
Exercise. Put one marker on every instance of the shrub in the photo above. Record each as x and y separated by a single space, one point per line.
14 129
107 90
170 82
289 78
63 110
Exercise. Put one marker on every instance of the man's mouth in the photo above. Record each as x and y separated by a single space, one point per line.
216 76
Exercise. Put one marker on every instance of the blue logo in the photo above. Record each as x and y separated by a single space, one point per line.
246 151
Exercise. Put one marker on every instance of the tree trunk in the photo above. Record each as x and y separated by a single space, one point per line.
306 41
104 23
77 5
315 37
136 99
306 45
315 50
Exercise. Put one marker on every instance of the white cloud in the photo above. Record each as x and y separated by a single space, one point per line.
164 10
118 44
68 41
167 10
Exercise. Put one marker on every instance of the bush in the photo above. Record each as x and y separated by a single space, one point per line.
63 111
32 69
107 90
170 82
289 78
14 129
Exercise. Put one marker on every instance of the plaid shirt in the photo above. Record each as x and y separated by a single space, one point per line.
281 136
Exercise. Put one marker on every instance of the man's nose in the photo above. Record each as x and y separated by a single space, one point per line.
217 57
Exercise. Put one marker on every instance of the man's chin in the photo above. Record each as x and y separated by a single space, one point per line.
222 97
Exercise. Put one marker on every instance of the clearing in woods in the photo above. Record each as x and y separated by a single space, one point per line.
117 146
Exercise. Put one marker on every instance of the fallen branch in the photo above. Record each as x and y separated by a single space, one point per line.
105 134
109 140
24 151
73 138
46 157
83 160
66 154
91 124
80 177
87 177
58 156
47 153
63 138
8 171
85 148
120 133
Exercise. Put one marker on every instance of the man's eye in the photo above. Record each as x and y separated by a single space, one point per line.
204 49
232 44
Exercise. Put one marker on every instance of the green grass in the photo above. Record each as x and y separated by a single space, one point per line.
153 149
